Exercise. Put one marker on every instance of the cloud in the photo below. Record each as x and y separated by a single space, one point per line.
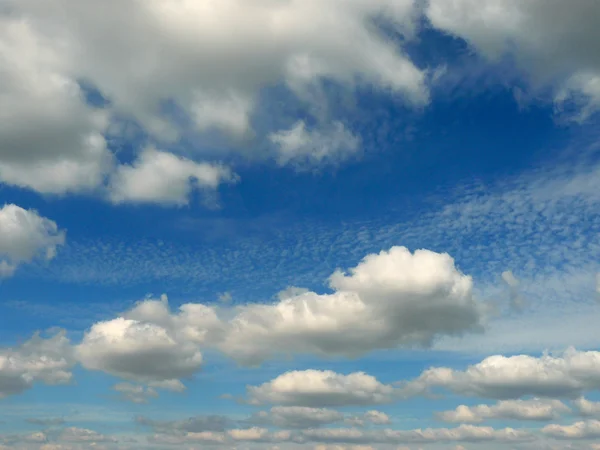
463 433
589 429
74 434
553 42
297 417
40 360
315 388
163 178
25 236
135 393
301 147
391 299
149 344
377 417
516 301
500 377
534 409
213 74
198 424
50 140
586 408
256 434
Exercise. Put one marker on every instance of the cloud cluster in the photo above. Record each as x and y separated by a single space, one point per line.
500 377
535 409
392 299
43 360
25 236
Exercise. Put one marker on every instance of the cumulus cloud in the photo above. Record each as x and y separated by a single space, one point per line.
39 359
163 178
302 147
175 52
25 236
50 140
535 409
586 408
149 344
198 424
315 388
589 429
391 299
566 375
553 41
256 434
74 434
135 393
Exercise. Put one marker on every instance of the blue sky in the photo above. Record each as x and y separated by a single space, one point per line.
335 224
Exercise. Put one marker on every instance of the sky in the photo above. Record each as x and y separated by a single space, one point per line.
299 224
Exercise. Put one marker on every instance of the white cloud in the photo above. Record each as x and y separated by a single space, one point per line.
149 344
50 141
391 299
214 73
301 147
377 417
586 408
74 434
500 377
164 178
553 41
513 283
315 388
198 424
24 236
256 434
535 409
589 429
135 393
40 360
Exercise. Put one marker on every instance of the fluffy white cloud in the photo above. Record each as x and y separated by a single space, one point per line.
212 59
163 178
391 299
24 236
589 429
135 393
377 417
303 147
567 375
256 434
315 388
586 408
535 409
149 344
50 141
74 434
554 41
37 360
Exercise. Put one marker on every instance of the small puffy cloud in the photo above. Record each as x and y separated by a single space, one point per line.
559 52
376 417
47 361
535 409
256 434
589 429
586 408
135 393
315 388
301 147
392 299
25 236
500 377
149 344
164 178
